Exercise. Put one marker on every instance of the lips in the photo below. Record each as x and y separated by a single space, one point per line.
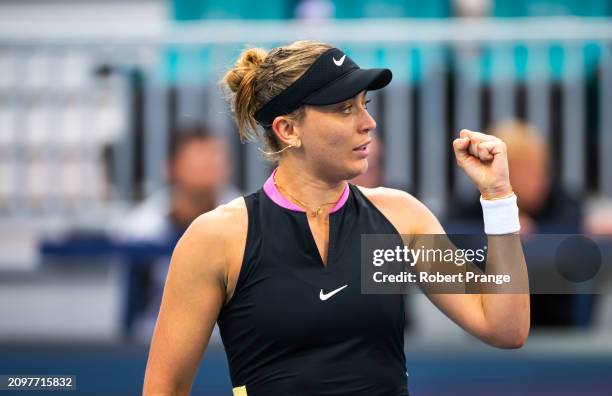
363 146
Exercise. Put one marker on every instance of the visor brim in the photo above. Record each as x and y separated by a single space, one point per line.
350 85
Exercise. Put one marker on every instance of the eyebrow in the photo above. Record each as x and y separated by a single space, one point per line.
365 97
334 106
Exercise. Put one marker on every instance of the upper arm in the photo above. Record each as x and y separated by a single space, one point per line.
412 217
194 293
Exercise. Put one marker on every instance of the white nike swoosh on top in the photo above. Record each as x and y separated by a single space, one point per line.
339 62
325 296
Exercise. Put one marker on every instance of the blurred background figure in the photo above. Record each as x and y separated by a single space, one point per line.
545 208
198 173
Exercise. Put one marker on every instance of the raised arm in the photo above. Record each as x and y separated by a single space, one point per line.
194 293
501 320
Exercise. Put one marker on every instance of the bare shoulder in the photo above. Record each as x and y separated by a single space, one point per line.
211 239
387 195
218 224
407 214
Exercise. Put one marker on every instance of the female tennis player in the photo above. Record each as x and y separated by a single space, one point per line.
278 270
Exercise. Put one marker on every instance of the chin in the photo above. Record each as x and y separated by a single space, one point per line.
356 169
343 170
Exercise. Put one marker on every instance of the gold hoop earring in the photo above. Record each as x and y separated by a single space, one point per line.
275 152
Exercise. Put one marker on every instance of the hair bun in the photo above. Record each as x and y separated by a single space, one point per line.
245 68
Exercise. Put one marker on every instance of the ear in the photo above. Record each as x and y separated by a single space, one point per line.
286 131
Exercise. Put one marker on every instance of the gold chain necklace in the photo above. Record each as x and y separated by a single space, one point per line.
313 213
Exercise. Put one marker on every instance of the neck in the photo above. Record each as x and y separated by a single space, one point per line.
306 186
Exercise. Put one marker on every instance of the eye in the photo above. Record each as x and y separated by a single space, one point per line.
346 109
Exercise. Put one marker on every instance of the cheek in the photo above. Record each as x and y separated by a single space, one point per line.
336 146
329 142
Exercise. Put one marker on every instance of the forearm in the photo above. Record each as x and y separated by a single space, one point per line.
506 307
163 381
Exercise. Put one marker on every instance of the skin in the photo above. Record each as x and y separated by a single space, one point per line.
196 174
530 178
374 175
206 262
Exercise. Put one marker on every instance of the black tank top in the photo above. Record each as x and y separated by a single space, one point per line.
297 327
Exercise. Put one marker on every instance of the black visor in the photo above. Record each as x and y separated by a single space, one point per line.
332 78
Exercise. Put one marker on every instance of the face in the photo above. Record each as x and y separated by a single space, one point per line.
335 138
197 174
529 177
200 165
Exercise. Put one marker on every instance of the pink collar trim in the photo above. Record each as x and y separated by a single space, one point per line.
275 195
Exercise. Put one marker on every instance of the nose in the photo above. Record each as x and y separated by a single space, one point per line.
368 123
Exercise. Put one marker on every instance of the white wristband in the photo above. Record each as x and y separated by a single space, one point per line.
501 216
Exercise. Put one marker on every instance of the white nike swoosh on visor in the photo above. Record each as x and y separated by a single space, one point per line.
324 296
339 62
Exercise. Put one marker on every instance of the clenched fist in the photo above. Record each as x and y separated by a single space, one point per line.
485 160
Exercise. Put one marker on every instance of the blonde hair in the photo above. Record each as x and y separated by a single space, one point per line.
521 138
258 76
